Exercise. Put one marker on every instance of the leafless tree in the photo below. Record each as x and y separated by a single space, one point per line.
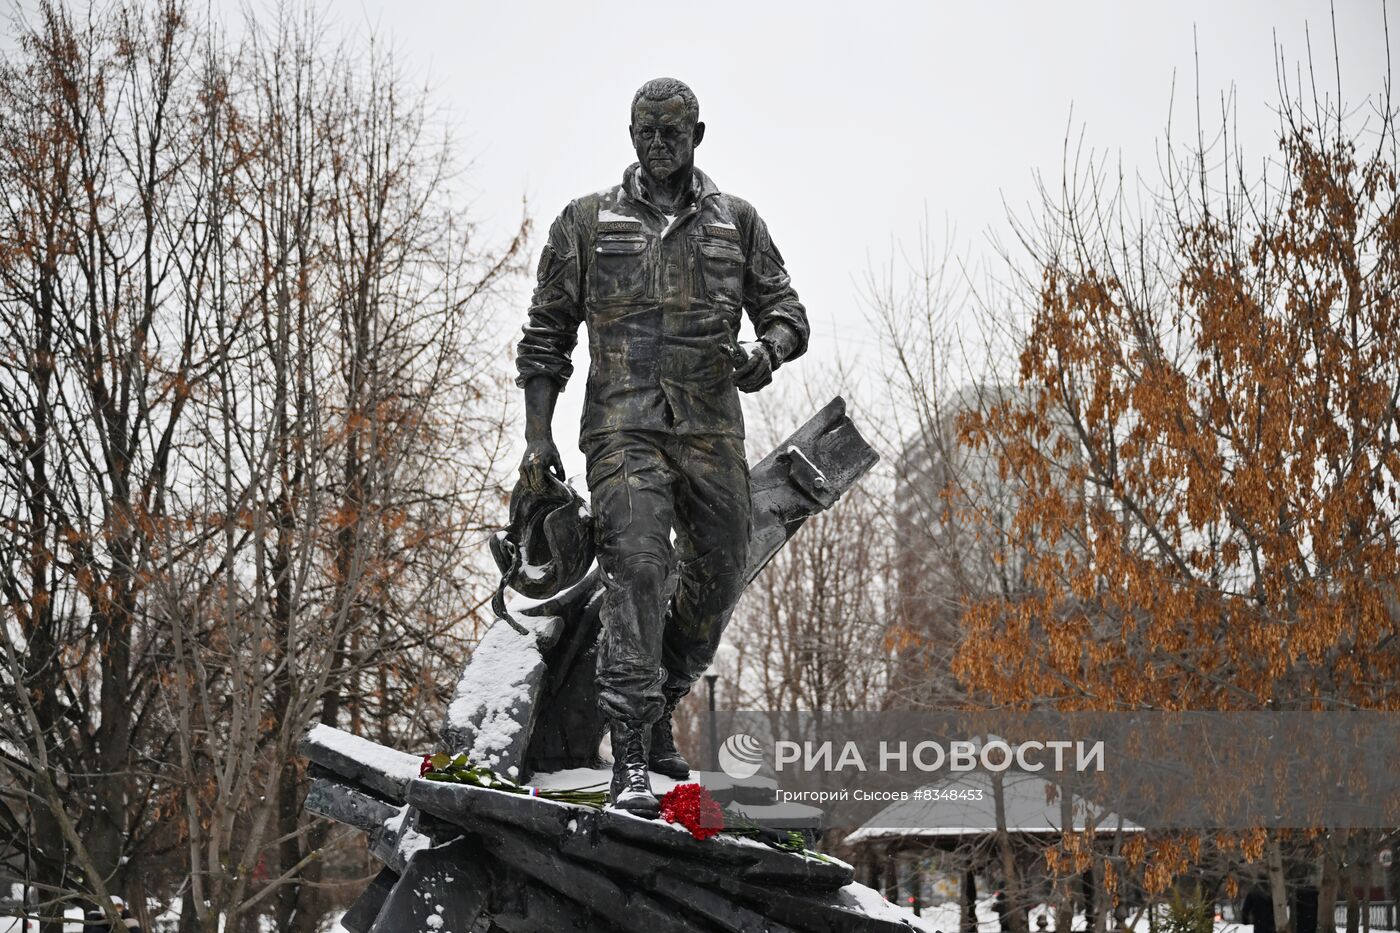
255 395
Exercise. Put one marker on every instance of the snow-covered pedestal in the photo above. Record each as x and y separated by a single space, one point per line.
460 859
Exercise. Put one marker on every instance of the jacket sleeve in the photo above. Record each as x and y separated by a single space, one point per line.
769 298
556 308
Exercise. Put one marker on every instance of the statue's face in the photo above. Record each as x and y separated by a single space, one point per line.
664 137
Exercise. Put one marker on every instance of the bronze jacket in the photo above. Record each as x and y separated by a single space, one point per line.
662 302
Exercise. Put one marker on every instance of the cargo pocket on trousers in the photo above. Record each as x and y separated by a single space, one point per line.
610 498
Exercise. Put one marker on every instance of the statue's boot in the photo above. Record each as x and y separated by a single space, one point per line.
663 756
631 782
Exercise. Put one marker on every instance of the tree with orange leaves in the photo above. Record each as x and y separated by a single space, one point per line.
1205 437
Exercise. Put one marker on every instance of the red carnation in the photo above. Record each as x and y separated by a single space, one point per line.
426 766
693 807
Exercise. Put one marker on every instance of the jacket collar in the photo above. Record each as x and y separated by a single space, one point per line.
701 186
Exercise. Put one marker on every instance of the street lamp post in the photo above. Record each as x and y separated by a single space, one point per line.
710 680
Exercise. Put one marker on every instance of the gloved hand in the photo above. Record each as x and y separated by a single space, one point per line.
757 369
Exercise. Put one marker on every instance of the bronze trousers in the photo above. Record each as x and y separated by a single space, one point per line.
665 604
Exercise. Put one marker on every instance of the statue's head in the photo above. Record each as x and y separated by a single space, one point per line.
665 127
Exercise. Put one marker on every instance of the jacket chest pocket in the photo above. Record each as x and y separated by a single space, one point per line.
619 268
721 268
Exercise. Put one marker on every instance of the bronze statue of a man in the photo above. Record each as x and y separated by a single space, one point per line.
660 268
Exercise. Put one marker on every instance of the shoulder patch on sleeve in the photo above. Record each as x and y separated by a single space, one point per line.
546 264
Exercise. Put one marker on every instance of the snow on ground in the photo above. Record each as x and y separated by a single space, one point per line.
945 918
332 924
934 918
940 918
12 925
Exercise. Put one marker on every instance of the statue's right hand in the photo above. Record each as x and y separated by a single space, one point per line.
541 458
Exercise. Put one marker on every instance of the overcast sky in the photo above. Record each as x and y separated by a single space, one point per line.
846 124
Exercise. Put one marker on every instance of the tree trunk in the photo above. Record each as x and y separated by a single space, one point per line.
1356 874
1098 897
189 921
967 916
1332 850
1278 889
1064 883
1015 906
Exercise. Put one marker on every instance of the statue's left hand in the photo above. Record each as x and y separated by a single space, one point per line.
757 369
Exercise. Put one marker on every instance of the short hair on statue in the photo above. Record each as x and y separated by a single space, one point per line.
665 89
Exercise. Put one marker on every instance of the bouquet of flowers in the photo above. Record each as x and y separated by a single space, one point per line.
692 806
